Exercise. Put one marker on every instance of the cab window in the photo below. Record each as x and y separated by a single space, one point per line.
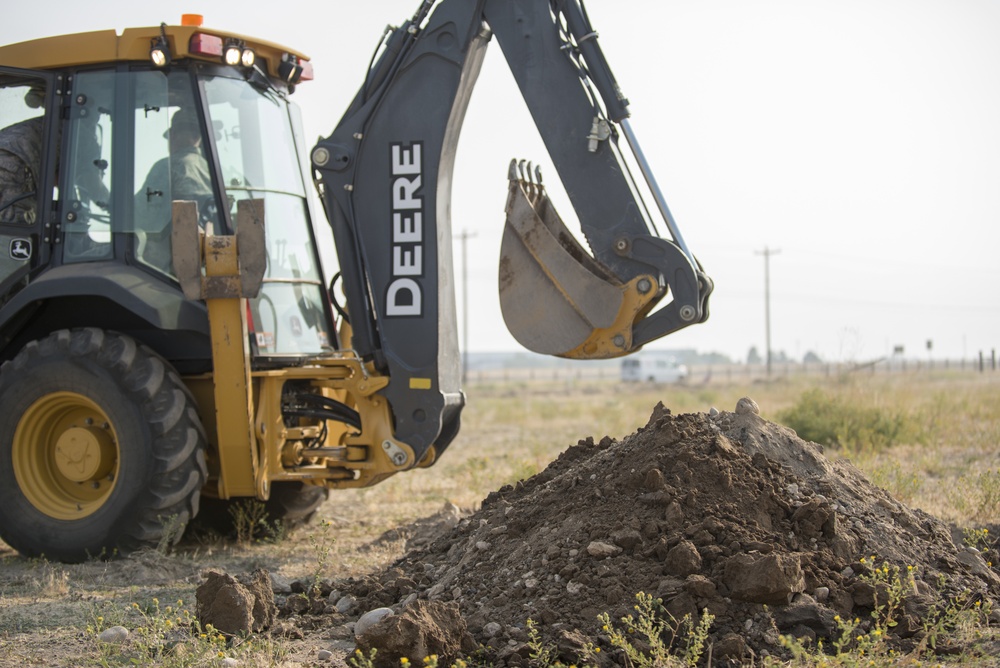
86 214
170 162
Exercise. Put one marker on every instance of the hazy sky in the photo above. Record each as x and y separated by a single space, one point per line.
860 138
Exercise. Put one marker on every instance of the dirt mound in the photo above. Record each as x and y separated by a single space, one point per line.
726 513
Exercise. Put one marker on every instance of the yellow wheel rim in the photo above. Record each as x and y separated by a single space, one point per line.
66 455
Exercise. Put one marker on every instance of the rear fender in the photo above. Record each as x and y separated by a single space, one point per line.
111 296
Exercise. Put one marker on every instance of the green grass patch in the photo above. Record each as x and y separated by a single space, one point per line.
845 421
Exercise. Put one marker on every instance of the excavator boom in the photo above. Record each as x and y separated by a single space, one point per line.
385 178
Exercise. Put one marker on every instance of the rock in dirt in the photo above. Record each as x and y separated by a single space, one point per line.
491 629
113 635
346 604
370 619
236 606
280 584
747 405
765 578
682 559
601 550
422 629
729 514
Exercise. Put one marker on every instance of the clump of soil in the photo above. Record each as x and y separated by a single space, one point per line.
236 606
726 513
423 629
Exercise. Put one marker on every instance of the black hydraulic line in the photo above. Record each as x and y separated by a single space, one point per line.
597 65
333 299
320 414
371 63
421 14
324 401
365 338
394 45
327 407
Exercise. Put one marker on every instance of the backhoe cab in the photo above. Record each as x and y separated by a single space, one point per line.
168 338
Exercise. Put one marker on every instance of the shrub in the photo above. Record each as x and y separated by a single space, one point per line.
844 422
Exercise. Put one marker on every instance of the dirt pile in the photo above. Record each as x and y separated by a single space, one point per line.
726 513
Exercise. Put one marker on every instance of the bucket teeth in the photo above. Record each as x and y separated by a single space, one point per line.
553 293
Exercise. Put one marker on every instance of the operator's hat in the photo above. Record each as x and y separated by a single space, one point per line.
184 119
35 97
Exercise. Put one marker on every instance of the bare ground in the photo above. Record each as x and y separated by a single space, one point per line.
726 513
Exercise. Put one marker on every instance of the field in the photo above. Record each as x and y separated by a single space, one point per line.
932 439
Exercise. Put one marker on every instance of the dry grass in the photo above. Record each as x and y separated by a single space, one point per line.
949 467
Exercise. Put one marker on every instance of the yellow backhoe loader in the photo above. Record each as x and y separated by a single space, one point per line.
168 338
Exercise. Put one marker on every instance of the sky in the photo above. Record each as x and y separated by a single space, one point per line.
857 141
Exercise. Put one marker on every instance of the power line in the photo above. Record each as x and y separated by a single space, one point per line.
464 237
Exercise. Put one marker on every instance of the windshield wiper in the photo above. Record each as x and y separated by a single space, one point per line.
263 85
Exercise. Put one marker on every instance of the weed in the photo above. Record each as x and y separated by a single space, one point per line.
866 643
977 495
987 546
523 470
977 538
49 580
657 633
544 655
171 637
904 486
360 660
173 529
321 542
252 522
958 620
859 643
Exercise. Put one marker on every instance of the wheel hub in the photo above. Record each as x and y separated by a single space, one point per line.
66 455
84 454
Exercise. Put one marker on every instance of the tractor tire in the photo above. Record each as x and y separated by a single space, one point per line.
295 503
291 503
101 448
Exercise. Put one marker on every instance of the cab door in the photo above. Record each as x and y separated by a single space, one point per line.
28 149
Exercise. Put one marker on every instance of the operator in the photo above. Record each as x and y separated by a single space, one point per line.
186 172
20 162
187 166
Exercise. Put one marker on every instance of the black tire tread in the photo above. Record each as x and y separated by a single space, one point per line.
178 437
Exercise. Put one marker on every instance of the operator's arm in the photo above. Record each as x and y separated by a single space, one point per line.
20 160
189 177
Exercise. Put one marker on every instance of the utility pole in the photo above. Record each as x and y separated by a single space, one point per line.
464 237
767 253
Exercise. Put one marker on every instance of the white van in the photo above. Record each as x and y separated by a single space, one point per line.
653 369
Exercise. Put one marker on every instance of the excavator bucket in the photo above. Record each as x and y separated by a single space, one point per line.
556 299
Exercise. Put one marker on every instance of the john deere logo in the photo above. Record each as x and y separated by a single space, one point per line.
20 249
